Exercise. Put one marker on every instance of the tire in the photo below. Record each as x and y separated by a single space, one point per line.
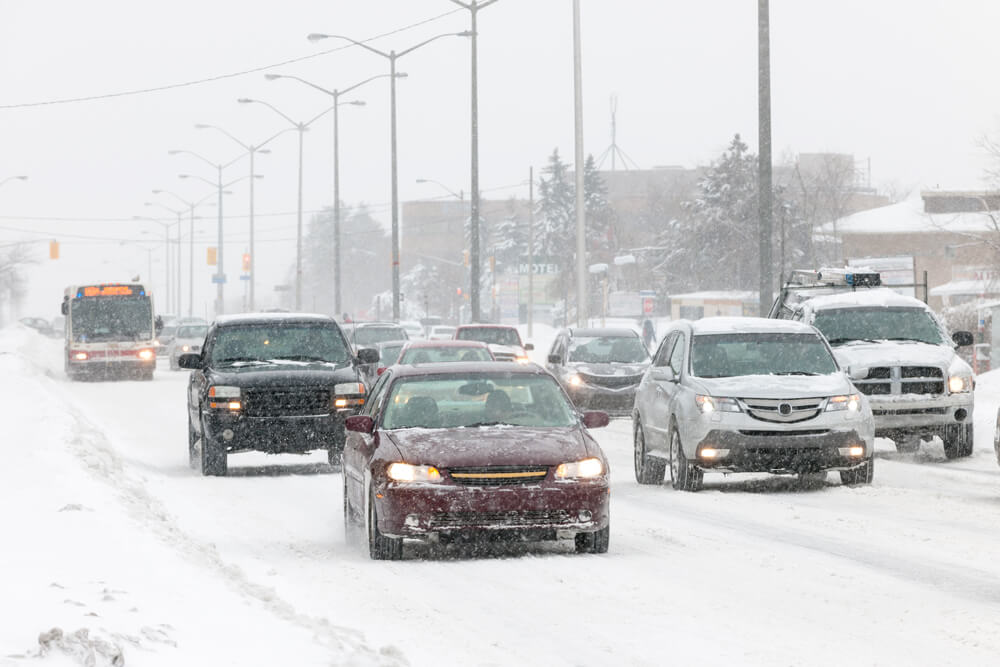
349 516
957 441
647 469
192 445
683 475
214 461
908 444
381 547
812 478
860 475
594 543
147 375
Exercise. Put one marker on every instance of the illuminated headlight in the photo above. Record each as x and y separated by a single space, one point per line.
146 355
712 453
851 402
575 380
223 391
348 395
523 360
405 472
585 469
185 348
854 451
81 356
958 384
709 404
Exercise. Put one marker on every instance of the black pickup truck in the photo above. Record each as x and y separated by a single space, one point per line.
273 382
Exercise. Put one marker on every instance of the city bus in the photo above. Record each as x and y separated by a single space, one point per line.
110 331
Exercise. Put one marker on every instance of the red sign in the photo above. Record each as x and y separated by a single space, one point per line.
647 305
107 290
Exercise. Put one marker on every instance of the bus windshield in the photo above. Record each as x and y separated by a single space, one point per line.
110 318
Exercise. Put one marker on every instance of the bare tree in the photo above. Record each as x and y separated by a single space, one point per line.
13 259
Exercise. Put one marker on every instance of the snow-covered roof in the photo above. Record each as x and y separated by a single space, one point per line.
878 296
271 317
908 217
718 325
717 295
973 287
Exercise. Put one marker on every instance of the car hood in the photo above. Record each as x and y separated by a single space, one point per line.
284 373
609 369
894 353
491 445
774 386
515 350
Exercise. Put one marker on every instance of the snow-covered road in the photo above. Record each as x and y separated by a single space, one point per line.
244 569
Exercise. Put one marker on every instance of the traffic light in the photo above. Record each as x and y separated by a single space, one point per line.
53 249
211 257
246 262
458 291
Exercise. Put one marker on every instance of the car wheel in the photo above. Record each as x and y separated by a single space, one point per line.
594 543
192 445
349 515
381 547
957 441
908 444
647 469
861 475
683 475
214 462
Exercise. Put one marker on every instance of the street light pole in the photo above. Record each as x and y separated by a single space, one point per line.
166 254
474 252
391 56
581 223
764 210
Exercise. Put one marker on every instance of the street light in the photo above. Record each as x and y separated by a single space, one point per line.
191 206
220 275
474 8
391 56
335 94
301 127
252 150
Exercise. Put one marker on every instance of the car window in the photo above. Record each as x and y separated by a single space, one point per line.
676 362
275 341
843 325
427 355
477 399
376 394
608 349
666 347
196 331
494 335
365 336
727 355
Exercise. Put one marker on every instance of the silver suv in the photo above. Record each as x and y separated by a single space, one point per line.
749 395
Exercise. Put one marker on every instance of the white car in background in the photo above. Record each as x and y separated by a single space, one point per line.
441 332
414 329
188 339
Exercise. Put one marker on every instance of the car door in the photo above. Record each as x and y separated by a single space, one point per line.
650 395
197 382
359 446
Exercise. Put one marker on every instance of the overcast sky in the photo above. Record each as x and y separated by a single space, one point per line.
909 85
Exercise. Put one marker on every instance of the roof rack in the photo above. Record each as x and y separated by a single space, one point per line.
830 277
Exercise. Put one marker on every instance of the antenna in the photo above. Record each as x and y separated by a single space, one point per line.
614 150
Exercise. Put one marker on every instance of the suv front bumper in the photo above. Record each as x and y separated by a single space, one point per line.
784 453
275 435
917 413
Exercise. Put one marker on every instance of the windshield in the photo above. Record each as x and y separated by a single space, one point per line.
494 335
843 325
427 355
479 399
196 331
364 336
608 349
727 355
291 341
118 318
388 354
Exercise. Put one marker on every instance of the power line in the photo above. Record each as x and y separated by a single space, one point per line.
221 77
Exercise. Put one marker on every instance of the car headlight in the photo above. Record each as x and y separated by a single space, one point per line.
223 391
585 469
146 354
709 404
185 348
406 472
348 395
574 380
851 402
958 384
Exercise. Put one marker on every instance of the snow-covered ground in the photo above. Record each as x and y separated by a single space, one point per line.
109 537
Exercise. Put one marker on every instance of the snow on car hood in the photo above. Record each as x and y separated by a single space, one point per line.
610 369
774 386
490 445
899 353
506 350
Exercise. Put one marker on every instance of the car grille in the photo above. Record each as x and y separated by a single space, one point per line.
781 410
286 402
894 380
784 434
611 381
513 518
504 356
498 475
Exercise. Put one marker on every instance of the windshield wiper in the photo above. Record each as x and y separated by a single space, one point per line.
236 360
841 341
795 373
302 357
484 424
909 339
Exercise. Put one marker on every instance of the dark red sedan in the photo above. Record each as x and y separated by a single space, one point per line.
474 450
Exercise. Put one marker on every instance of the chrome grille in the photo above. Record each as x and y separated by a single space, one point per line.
498 475
895 380
286 402
785 411
611 381
512 519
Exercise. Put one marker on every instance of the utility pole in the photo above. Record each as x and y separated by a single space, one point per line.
764 153
531 249
581 223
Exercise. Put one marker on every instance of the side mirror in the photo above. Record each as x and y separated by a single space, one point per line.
528 347
359 424
159 324
857 372
555 359
963 338
191 362
368 355
64 308
663 374
381 369
595 419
